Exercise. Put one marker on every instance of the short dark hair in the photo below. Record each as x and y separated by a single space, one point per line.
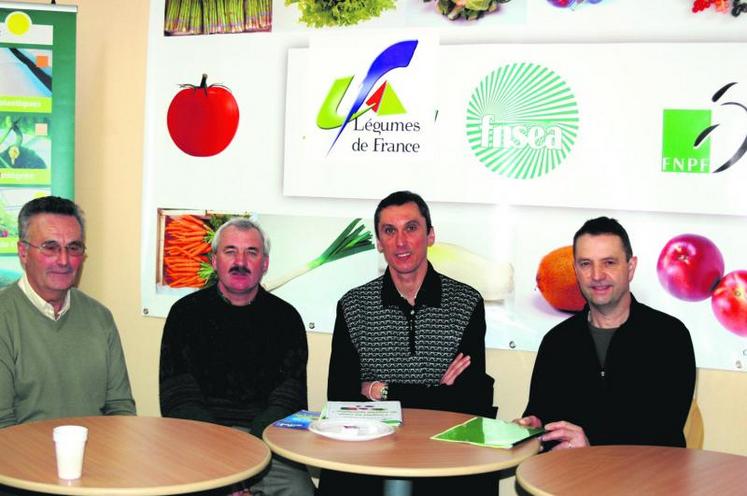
48 205
400 198
605 225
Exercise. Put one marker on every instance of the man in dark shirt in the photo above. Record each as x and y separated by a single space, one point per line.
235 355
619 372
412 335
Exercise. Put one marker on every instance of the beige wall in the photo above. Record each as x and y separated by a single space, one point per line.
111 79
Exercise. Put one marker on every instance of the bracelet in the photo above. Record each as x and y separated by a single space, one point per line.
370 389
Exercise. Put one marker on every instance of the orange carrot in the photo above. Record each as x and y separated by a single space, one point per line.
185 250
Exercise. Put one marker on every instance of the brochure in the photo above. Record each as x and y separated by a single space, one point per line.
299 420
491 433
389 412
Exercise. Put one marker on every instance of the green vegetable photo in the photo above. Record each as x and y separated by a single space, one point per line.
216 16
467 9
331 13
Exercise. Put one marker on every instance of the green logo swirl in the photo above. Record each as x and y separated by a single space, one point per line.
522 121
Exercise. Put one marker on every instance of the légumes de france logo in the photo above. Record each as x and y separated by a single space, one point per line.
383 100
687 135
522 121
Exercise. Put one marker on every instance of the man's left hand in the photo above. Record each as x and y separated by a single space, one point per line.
372 389
568 435
457 366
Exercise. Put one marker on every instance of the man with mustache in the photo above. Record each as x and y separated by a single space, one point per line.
60 353
618 372
234 354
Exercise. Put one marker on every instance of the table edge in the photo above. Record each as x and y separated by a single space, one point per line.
530 488
58 488
135 491
536 491
394 471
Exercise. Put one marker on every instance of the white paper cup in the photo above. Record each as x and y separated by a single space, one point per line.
70 444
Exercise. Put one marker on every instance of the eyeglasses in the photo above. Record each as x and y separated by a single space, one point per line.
54 249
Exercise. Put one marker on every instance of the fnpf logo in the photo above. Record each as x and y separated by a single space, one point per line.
687 136
383 101
522 121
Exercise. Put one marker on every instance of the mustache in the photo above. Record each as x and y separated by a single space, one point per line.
239 269
62 269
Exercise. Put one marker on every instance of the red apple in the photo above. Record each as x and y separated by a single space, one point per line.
690 266
729 302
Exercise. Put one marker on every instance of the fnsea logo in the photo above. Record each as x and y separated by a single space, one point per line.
687 136
522 121
375 94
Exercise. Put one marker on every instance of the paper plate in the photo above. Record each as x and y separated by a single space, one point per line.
351 430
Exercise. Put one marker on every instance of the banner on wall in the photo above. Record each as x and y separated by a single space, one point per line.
529 124
37 113
555 134
561 106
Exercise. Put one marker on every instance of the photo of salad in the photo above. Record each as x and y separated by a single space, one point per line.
470 10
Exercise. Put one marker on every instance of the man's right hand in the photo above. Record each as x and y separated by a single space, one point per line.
566 434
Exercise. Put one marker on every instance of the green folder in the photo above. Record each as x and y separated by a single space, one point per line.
491 433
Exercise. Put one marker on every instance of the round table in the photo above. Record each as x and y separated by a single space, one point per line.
625 470
132 456
409 452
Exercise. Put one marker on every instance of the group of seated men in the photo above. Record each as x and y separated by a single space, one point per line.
236 355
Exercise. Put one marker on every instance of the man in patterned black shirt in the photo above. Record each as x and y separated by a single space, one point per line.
411 335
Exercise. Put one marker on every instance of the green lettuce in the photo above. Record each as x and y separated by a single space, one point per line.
321 13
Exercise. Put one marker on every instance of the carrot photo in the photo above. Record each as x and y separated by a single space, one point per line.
186 248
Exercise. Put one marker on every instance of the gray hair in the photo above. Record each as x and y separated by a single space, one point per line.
242 224
48 205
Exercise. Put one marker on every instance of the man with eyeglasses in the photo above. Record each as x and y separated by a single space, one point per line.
235 355
60 353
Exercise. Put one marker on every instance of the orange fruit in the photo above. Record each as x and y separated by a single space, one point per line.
556 280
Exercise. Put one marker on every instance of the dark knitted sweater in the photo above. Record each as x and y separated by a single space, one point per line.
379 336
239 366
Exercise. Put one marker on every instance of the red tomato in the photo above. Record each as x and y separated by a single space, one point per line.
202 120
729 302
690 266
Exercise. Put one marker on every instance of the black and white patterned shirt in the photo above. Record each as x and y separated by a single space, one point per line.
379 336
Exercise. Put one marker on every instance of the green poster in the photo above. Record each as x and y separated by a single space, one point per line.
37 113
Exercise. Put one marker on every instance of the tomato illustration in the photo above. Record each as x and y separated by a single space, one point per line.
202 120
729 302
